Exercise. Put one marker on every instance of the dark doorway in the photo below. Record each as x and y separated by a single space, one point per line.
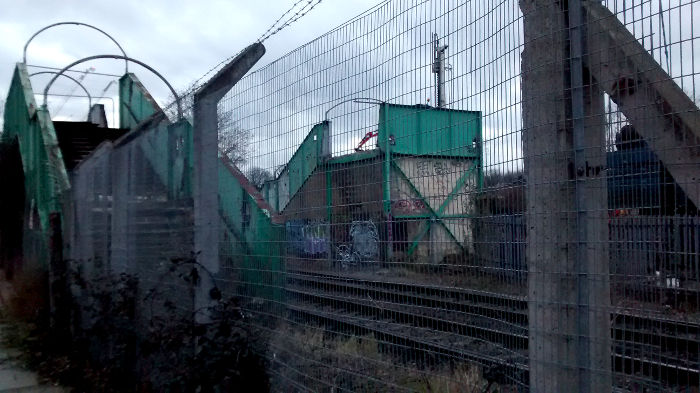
11 207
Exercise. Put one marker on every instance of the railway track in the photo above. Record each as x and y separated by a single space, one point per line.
416 346
434 318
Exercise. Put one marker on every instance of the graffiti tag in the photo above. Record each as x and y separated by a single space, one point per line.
408 205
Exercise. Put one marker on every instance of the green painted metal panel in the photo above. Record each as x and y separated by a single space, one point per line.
168 148
46 179
230 197
309 155
417 131
270 191
135 102
354 157
424 130
256 242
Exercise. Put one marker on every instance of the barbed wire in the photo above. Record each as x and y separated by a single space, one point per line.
304 10
262 38
272 26
196 84
298 15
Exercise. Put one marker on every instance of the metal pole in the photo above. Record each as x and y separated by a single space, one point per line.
387 185
439 70
24 54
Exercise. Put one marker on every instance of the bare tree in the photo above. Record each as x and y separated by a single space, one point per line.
258 176
234 141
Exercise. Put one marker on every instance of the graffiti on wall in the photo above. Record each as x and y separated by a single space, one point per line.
408 205
308 238
363 245
365 239
433 178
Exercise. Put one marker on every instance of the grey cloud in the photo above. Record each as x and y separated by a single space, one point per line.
181 39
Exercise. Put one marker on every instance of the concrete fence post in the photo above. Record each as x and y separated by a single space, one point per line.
566 196
206 179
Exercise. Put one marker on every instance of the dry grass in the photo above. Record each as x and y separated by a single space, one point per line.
463 378
325 362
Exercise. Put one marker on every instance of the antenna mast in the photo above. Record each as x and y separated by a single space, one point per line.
439 70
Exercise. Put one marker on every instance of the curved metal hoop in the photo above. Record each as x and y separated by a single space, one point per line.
142 64
24 55
357 100
74 80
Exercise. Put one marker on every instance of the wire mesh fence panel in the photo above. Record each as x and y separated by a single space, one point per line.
471 196
132 215
457 196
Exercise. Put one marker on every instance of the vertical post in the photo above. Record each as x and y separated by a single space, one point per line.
119 164
384 133
329 212
579 135
206 193
566 196
593 256
206 180
439 71
548 165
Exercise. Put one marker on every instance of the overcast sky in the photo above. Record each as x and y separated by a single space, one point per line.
181 39
385 55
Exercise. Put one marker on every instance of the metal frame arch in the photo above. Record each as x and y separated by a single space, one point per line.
24 54
357 100
71 78
142 64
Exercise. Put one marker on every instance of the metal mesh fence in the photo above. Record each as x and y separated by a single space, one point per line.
132 213
464 196
436 196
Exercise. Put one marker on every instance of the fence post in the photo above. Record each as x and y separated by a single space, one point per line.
566 196
206 156
592 255
119 258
